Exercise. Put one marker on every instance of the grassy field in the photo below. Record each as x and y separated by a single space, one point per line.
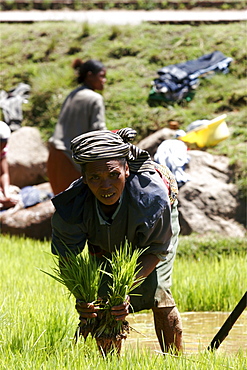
41 54
38 319
120 4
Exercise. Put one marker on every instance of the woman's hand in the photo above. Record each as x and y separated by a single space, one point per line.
89 310
121 311
86 310
8 202
148 262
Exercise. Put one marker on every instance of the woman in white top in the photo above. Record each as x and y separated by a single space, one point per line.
82 111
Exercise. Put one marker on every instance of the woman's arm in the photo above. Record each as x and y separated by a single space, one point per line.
4 179
98 114
148 263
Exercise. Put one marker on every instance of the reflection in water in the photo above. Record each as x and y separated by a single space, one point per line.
199 328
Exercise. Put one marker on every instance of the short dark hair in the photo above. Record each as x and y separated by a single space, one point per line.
91 65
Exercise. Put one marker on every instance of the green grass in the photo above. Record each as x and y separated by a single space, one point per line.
121 4
215 246
215 277
210 284
38 319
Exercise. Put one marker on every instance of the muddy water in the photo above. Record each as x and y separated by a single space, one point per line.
199 329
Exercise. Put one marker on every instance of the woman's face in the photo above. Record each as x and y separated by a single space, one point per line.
106 179
96 81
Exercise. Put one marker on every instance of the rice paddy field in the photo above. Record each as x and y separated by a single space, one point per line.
38 318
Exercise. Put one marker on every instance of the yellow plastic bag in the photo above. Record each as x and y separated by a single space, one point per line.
208 135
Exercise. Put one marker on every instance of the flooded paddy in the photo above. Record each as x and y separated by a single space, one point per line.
199 328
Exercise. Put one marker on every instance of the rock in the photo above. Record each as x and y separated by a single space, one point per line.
27 157
209 202
33 222
151 142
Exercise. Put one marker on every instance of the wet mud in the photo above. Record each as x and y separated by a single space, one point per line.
199 328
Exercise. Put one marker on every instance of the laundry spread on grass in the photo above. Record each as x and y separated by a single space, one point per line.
177 82
11 103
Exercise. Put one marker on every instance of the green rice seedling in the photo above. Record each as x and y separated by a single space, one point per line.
210 283
124 268
82 276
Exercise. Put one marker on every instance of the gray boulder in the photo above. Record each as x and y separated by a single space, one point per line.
209 202
151 142
27 157
33 222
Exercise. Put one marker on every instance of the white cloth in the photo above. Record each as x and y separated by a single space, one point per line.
173 154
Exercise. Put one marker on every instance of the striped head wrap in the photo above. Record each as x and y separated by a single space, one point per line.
104 144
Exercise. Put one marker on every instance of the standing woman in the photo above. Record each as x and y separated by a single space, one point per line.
82 111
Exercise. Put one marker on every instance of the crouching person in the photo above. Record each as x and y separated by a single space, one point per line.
122 195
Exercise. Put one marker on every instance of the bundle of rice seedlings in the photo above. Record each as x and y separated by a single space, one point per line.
82 276
124 268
